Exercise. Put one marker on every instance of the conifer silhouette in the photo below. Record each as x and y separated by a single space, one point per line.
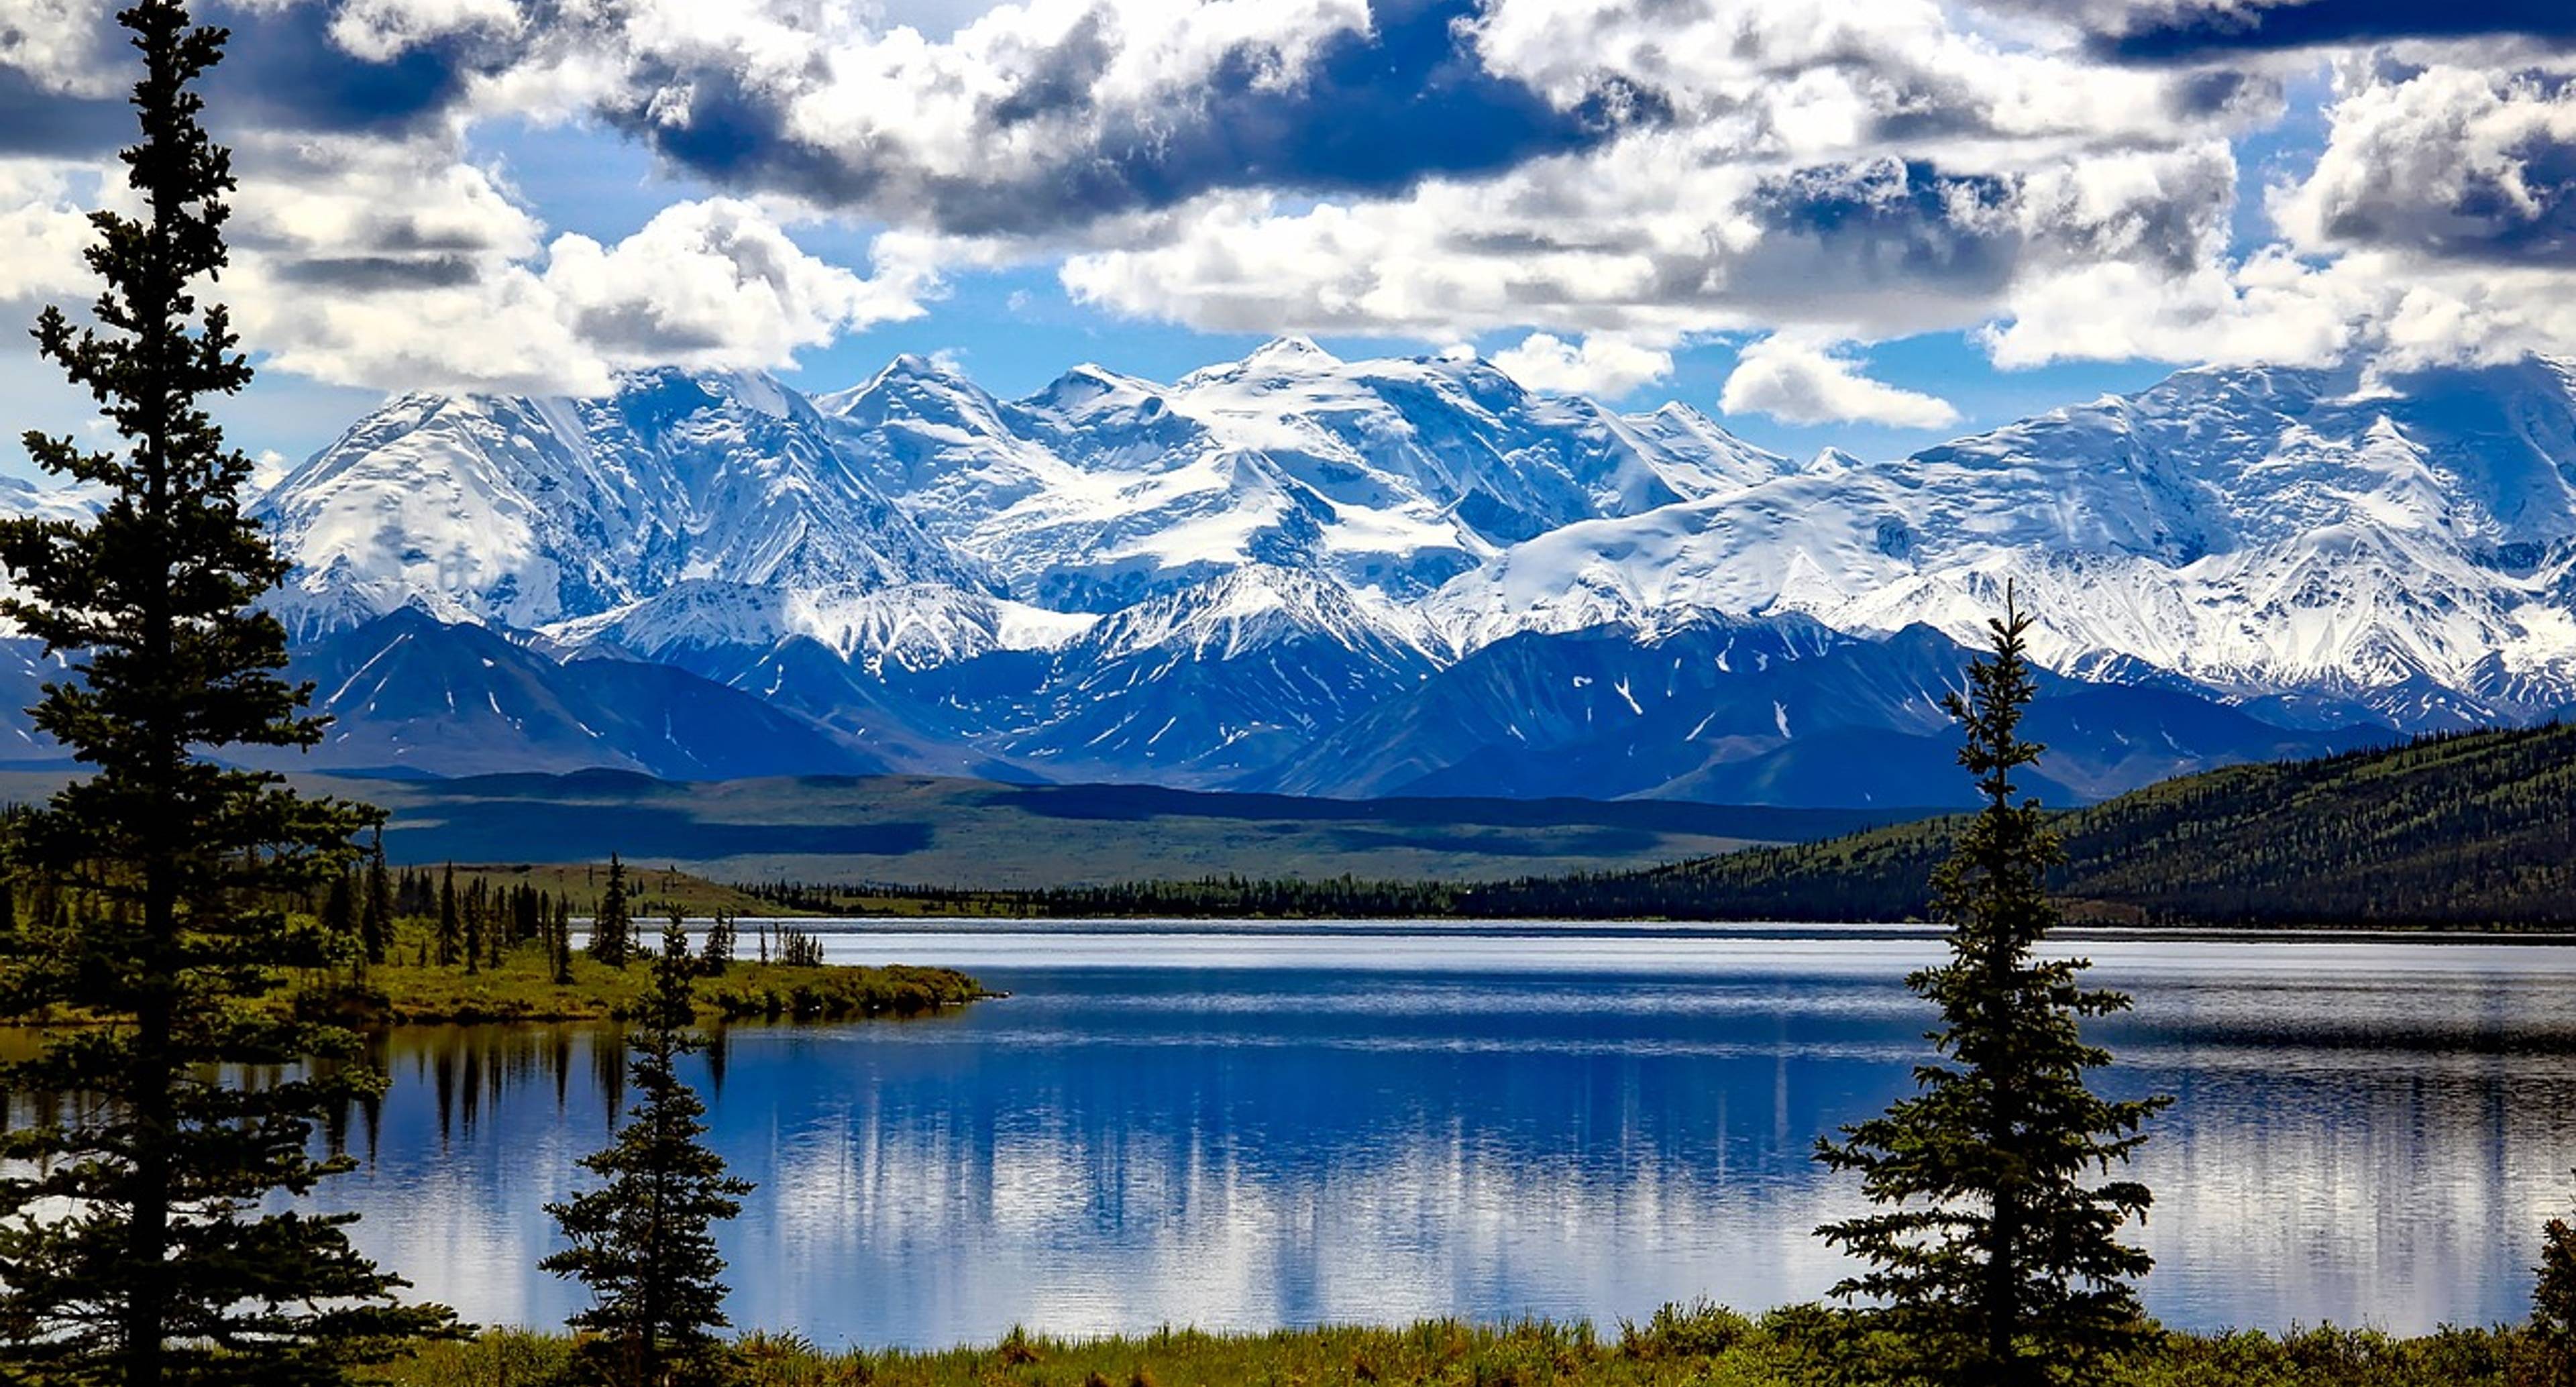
643 1241
1993 1261
133 1244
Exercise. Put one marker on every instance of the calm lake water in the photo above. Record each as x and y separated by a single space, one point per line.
1287 1124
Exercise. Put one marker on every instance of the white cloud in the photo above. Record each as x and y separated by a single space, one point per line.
359 201
2447 162
715 283
268 467
1801 381
1821 80
60 44
1602 365
42 234
2437 227
710 284
378 30
1661 235
1811 169
1043 114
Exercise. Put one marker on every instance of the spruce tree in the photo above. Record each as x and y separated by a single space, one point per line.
719 946
141 1238
450 935
376 910
643 1241
1994 1261
611 930
473 937
562 942
340 916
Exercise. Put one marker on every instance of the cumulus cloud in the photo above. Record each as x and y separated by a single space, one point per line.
2448 163
1659 237
60 45
42 233
380 257
715 283
379 31
390 68
1045 116
1800 381
1598 178
1600 365
705 284
2437 227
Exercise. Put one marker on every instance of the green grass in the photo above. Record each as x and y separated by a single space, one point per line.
1695 1347
405 991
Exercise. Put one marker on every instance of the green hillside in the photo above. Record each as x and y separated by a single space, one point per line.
2469 829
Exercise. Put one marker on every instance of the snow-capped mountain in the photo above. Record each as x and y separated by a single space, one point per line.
1414 576
1394 476
2263 534
521 512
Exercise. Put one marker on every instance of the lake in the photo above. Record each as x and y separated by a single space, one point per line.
1241 1127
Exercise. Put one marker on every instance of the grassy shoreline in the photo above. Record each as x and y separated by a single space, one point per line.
519 986
1703 1346
512 994
521 989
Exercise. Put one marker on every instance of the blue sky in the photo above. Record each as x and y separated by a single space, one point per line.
1870 227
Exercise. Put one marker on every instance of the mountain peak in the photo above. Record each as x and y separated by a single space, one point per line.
915 366
1295 351
909 384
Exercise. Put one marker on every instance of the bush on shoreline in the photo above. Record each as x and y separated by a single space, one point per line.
1698 1346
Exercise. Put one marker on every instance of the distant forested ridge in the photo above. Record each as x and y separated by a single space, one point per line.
2460 830
2456 830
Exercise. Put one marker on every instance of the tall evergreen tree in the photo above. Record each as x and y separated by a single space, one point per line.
562 942
644 1241
719 946
139 1243
473 936
612 930
1997 1263
450 933
340 916
376 908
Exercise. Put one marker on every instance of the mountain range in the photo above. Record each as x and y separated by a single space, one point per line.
1297 574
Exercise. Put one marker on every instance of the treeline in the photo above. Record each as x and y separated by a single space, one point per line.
1603 895
2471 829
